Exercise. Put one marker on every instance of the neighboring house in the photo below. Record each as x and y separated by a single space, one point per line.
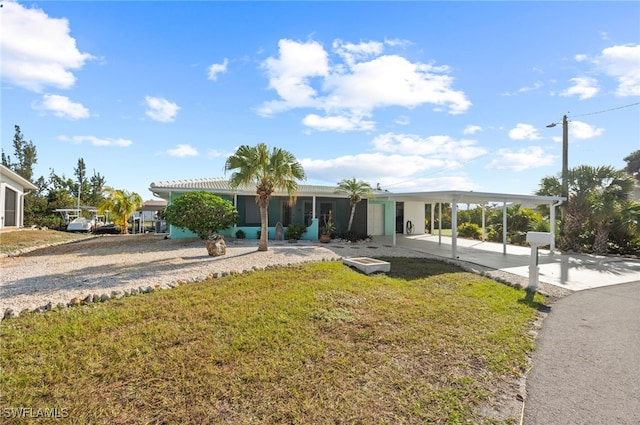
312 205
12 190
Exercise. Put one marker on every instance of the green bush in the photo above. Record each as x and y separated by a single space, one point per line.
470 230
201 212
240 234
295 231
353 236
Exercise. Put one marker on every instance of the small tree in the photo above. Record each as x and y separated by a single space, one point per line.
120 204
355 190
202 213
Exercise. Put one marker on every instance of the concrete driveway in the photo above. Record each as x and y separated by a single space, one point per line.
574 272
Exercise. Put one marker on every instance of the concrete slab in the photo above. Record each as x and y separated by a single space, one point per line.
575 272
368 265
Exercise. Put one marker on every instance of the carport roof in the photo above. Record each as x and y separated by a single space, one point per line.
471 197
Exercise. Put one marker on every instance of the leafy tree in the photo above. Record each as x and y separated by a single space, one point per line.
269 170
25 153
201 212
120 204
633 164
355 190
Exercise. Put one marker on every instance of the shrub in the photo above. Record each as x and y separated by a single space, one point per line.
469 230
240 234
201 212
295 231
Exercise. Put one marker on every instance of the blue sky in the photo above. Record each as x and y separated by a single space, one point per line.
414 96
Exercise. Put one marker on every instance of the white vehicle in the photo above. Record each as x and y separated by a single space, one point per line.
81 224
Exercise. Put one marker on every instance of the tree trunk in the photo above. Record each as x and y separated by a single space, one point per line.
600 242
353 212
264 225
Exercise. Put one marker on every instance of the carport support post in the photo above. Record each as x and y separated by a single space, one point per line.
454 228
504 228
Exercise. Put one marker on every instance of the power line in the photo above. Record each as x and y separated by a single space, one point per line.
606 110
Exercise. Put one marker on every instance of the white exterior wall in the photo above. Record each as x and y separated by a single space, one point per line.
9 183
414 212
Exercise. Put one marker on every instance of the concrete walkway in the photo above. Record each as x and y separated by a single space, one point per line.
586 369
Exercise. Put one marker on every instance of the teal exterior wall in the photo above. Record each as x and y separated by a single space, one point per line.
251 229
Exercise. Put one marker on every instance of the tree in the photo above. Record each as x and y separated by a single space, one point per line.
633 164
82 188
269 170
120 204
201 212
25 153
597 198
97 183
355 190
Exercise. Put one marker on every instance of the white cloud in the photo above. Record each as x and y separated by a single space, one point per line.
434 146
37 50
371 166
471 129
393 81
352 53
358 80
96 141
428 184
160 109
583 87
62 107
623 64
582 130
182 150
290 73
217 68
337 123
524 132
521 159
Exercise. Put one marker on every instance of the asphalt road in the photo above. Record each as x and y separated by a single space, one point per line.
586 370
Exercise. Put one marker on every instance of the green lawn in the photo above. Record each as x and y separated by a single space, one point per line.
312 344
11 241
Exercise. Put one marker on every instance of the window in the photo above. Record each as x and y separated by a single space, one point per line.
251 211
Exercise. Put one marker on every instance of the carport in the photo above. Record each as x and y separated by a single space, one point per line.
414 203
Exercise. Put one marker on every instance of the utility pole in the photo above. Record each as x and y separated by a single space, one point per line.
565 161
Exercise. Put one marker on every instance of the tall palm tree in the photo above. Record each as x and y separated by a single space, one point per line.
355 190
269 170
121 204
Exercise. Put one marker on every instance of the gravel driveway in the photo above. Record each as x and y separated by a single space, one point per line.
112 266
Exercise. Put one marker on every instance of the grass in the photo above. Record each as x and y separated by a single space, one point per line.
311 344
15 240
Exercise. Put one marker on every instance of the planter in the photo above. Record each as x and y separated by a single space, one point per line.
325 238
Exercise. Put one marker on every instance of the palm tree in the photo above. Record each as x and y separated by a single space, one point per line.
121 204
269 170
608 198
355 190
597 198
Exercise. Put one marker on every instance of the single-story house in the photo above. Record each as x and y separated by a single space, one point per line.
12 190
384 214
312 205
